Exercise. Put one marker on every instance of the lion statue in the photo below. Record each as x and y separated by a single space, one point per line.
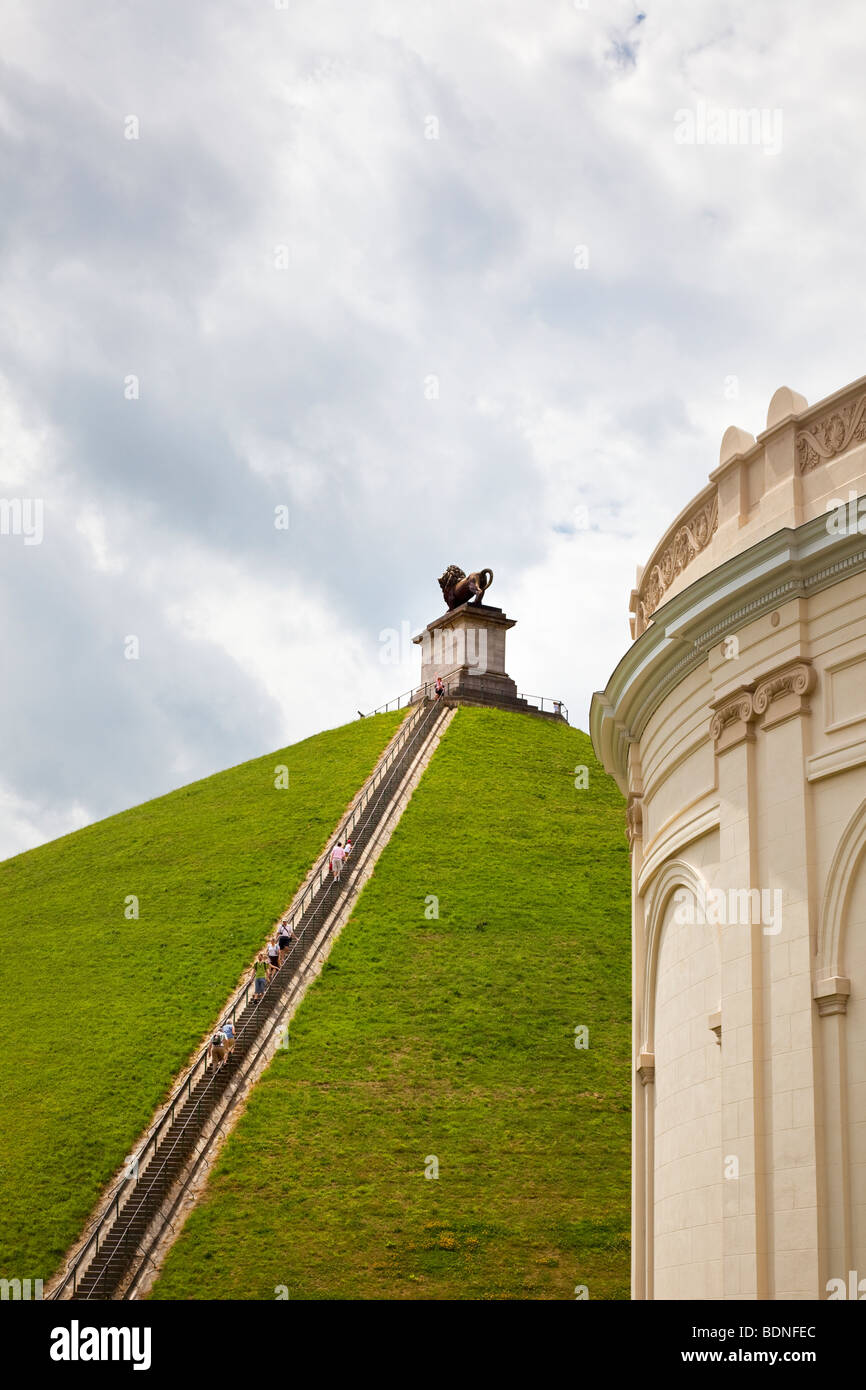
458 588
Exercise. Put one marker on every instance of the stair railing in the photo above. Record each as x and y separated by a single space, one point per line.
312 901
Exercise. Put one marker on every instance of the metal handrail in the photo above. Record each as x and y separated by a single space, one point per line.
542 702
350 823
406 737
408 697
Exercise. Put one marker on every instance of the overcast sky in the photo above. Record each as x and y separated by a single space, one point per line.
434 277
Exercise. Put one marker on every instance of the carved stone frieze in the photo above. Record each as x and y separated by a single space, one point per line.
689 539
835 432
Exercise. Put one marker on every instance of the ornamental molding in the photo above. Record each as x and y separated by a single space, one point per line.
768 700
732 720
784 693
785 565
833 434
691 537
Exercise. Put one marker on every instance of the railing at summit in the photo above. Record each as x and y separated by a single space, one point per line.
409 697
547 705
544 703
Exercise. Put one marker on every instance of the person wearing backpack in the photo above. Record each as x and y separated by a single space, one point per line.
217 1049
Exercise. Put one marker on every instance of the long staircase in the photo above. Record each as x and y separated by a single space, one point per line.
150 1194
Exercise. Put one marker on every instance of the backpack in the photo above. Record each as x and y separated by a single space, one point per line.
218 1040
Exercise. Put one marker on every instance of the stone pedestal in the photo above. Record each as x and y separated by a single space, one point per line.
466 647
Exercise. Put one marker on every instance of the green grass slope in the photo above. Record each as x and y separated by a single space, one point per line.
450 1039
102 1011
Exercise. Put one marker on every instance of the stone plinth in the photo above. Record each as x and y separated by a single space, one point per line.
468 639
466 647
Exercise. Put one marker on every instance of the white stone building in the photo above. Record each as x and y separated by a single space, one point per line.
736 725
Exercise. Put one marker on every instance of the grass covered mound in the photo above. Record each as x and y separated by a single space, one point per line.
101 1010
448 1044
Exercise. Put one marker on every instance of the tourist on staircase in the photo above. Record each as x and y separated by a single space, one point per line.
285 939
260 975
217 1049
338 854
273 958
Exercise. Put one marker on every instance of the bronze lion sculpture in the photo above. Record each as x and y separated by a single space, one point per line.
458 588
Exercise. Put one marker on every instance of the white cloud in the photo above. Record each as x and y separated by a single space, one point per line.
558 388
92 526
24 824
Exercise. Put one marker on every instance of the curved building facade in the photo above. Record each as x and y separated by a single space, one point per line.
736 725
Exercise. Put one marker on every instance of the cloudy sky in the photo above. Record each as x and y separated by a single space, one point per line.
444 281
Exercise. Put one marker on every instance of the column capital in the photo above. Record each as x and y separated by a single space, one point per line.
732 720
784 692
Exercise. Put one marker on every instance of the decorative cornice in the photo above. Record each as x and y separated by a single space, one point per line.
714 1023
833 434
691 537
785 565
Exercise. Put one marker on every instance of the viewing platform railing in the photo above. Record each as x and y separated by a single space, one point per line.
543 703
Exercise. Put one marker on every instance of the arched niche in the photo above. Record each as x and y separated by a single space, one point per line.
673 875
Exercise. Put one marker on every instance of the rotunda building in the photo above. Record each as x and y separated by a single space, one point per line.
735 724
